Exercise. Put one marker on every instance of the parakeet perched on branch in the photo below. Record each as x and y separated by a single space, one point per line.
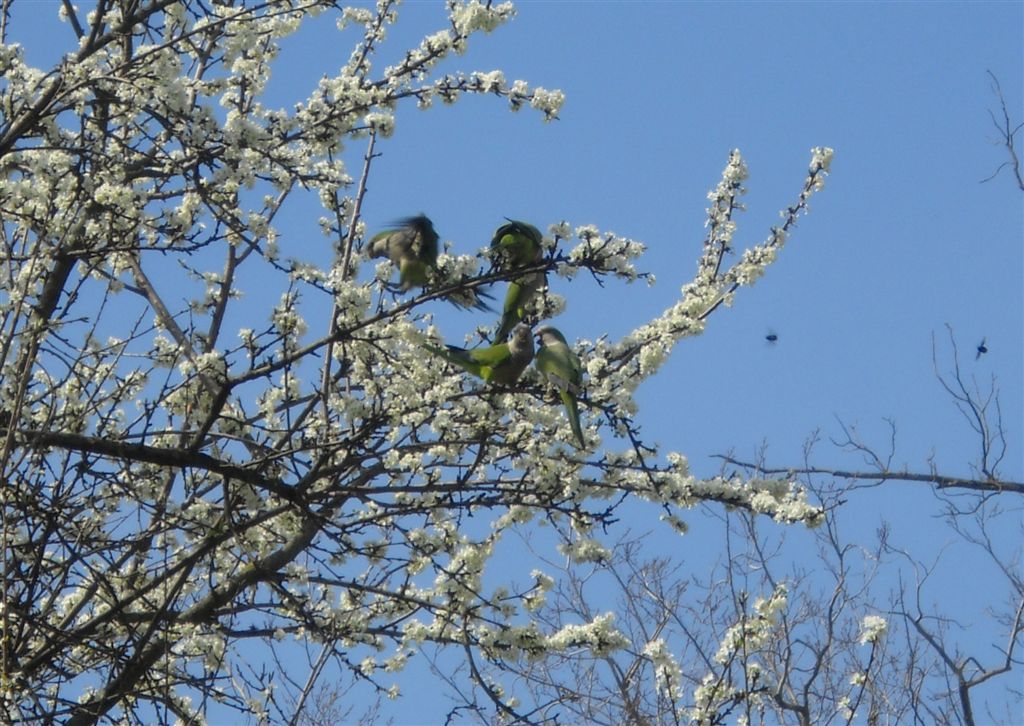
561 366
500 363
521 292
516 244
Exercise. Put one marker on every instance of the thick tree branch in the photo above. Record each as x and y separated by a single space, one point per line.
176 458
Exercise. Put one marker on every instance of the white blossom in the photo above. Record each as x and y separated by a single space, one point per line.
872 629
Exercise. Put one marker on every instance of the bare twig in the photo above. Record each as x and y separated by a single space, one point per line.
941 481
1008 131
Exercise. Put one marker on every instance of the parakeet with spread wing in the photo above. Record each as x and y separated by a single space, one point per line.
412 247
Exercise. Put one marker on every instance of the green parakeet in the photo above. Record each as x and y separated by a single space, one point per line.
561 366
515 245
412 246
520 292
501 363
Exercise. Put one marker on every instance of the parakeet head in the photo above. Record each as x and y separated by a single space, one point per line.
550 336
515 227
522 338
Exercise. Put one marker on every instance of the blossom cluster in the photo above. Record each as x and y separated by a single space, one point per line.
872 629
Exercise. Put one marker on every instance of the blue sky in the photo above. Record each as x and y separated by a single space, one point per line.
903 240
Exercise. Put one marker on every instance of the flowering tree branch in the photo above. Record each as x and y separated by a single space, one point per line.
216 434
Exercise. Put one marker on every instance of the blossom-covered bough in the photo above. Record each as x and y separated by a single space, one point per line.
221 444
